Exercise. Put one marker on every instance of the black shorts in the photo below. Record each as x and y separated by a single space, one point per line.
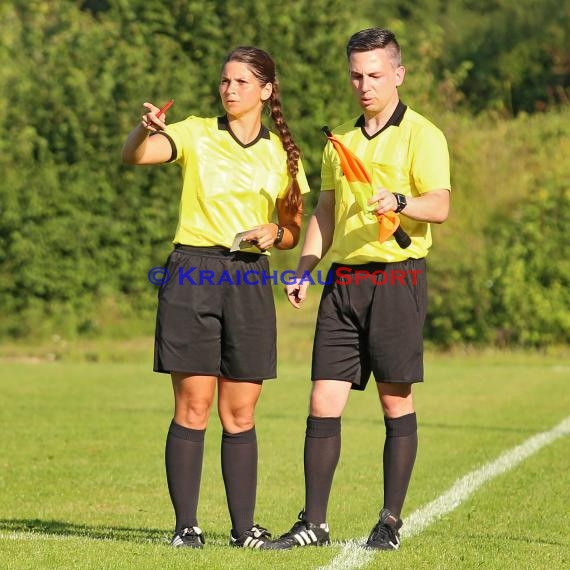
370 320
216 315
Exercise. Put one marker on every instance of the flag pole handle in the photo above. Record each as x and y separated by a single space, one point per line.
402 238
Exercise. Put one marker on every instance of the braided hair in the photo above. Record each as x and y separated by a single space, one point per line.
263 68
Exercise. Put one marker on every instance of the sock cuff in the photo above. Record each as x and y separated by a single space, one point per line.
402 426
196 435
248 436
322 427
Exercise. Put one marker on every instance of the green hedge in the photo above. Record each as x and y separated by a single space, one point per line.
500 269
79 231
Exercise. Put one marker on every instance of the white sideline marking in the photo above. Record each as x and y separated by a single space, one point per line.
354 556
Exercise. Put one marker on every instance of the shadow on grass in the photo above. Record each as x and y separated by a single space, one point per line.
51 528
61 528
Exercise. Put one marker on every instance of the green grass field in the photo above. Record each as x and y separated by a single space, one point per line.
82 481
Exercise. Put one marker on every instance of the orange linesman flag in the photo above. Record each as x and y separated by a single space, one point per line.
360 183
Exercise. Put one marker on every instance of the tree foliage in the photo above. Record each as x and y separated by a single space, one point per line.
509 56
79 231
499 271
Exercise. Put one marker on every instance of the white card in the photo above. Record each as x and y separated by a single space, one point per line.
239 244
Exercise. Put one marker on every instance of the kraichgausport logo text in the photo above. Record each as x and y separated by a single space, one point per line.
340 276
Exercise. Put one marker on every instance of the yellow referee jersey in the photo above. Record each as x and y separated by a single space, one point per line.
228 187
409 156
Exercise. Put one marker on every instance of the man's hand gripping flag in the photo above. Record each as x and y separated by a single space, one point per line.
360 183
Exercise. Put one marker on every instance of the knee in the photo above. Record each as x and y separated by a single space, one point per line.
318 407
321 408
397 409
237 424
328 398
237 420
396 400
193 414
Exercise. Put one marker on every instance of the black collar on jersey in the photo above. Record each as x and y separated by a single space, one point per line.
394 120
224 125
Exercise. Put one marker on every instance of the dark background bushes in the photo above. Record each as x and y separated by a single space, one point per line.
79 231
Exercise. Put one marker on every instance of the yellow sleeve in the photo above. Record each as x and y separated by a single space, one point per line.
180 134
328 168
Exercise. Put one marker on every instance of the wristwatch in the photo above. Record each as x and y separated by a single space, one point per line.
402 202
279 236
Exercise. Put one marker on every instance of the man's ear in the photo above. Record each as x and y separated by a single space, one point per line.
400 74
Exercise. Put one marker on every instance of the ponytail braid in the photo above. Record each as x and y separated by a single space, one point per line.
263 67
293 200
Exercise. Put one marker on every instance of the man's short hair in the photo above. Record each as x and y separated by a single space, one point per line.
375 38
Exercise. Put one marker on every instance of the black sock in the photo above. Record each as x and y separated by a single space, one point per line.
183 457
399 456
322 451
239 470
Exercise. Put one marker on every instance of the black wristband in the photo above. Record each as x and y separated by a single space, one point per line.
279 236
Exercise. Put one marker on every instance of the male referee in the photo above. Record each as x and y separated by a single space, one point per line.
370 325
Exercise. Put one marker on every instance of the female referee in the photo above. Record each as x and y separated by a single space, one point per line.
216 322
